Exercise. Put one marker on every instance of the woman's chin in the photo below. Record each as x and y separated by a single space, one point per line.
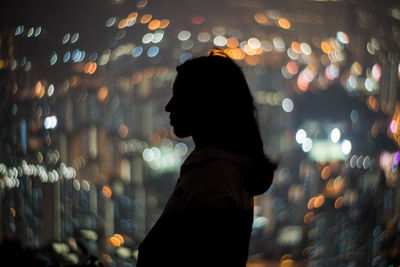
181 133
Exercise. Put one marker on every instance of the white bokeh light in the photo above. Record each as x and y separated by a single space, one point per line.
335 135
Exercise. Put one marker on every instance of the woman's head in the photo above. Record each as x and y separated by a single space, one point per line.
212 102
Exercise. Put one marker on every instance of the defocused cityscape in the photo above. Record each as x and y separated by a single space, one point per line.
88 158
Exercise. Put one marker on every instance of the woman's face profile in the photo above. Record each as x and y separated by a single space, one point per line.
179 107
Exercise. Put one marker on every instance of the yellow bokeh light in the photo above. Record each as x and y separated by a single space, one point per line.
235 53
120 238
326 47
356 68
284 23
115 241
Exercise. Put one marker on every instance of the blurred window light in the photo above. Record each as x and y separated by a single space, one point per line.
307 145
66 38
141 3
38 31
50 122
301 136
346 147
354 116
74 37
254 43
158 36
153 51
184 57
218 30
30 32
148 38
266 46
351 83
220 40
287 105
291 54
305 49
184 35
67 56
292 67
331 72
197 19
376 72
93 57
111 21
279 44
53 58
370 84
204 37
260 18
137 51
285 73
19 30
50 90
181 149
342 37
187 45
335 135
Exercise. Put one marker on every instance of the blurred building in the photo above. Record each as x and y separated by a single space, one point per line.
88 156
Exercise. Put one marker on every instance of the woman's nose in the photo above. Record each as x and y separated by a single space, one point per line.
168 107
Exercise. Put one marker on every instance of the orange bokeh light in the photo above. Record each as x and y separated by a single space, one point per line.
154 24
232 42
145 18
102 94
296 47
326 47
260 18
107 192
319 201
308 217
338 202
326 172
284 23
164 23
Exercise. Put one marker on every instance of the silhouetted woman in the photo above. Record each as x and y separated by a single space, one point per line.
207 221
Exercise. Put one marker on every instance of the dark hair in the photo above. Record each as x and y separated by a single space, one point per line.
226 103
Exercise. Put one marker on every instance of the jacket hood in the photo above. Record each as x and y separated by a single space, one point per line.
257 173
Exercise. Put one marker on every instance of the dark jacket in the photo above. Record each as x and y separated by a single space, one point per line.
208 219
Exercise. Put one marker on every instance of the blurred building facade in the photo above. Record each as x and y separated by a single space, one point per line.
88 155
